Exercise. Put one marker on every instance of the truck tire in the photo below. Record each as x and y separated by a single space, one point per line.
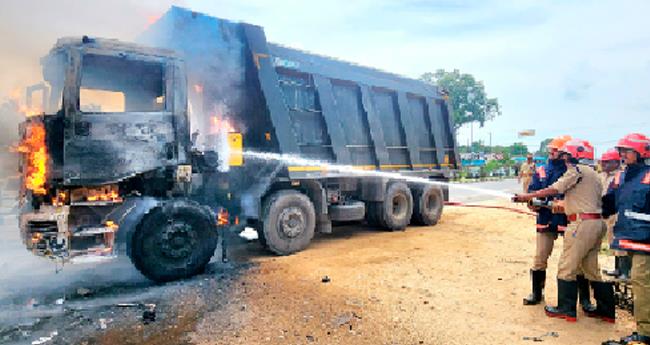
174 241
353 210
428 201
395 212
288 223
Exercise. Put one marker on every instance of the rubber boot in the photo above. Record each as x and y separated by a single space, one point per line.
605 303
625 266
634 338
583 294
538 279
617 268
567 299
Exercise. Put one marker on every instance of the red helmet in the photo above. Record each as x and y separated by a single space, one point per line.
637 142
558 142
611 155
578 149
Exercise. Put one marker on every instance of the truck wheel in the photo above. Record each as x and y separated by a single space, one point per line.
289 222
396 210
174 241
428 202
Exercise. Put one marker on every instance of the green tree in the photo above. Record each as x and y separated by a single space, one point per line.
542 147
468 97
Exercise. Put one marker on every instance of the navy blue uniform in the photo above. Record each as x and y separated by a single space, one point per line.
545 176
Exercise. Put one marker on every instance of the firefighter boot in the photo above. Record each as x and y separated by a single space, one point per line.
538 279
583 294
567 299
635 339
605 303
625 265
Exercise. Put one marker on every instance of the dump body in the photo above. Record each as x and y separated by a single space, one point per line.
293 102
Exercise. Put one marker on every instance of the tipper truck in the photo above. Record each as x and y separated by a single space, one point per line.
141 148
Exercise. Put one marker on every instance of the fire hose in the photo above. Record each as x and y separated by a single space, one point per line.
511 209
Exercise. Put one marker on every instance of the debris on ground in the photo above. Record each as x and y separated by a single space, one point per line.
84 292
326 279
541 337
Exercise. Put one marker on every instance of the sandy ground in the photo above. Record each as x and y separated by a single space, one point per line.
460 282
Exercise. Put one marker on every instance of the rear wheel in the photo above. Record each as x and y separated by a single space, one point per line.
289 222
428 201
394 213
174 241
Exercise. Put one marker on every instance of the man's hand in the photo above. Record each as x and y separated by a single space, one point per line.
558 206
522 197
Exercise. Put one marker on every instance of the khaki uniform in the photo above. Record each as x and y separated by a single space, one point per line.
543 249
582 189
641 284
526 172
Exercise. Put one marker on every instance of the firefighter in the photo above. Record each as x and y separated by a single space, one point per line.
526 172
629 198
610 163
582 189
549 226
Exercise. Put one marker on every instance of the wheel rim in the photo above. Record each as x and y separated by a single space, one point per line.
431 203
400 204
177 240
291 222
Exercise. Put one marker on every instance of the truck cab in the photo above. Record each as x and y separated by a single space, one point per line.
111 141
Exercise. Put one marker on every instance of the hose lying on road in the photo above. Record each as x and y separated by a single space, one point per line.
512 209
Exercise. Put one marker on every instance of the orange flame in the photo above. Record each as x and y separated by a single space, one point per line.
222 217
22 108
111 195
33 147
219 124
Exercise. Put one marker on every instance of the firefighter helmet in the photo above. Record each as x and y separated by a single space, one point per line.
611 155
579 149
558 142
637 142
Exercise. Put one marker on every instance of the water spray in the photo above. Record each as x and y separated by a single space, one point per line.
349 169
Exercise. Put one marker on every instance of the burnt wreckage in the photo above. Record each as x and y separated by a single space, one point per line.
138 150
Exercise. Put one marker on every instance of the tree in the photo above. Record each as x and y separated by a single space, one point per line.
542 147
468 97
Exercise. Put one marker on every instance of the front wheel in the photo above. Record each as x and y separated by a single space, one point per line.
174 241
289 222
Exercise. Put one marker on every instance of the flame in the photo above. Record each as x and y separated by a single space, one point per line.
198 88
110 194
59 199
23 108
222 217
33 147
219 124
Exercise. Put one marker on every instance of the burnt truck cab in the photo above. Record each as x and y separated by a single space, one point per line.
111 142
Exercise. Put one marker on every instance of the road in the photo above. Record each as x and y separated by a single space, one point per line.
463 278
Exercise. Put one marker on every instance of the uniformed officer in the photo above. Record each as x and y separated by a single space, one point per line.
610 163
549 225
582 189
526 172
629 198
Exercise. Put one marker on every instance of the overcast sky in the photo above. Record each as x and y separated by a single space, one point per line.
559 67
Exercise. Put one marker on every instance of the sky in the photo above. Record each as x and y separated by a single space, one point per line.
558 67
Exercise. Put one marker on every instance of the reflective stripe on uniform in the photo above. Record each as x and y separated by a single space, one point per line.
617 178
626 244
646 178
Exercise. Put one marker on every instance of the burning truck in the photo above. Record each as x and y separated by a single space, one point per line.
140 149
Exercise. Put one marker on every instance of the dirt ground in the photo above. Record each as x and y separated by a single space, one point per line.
460 282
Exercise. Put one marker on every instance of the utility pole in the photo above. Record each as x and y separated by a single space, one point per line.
490 142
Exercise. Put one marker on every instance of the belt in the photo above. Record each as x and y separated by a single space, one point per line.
584 216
